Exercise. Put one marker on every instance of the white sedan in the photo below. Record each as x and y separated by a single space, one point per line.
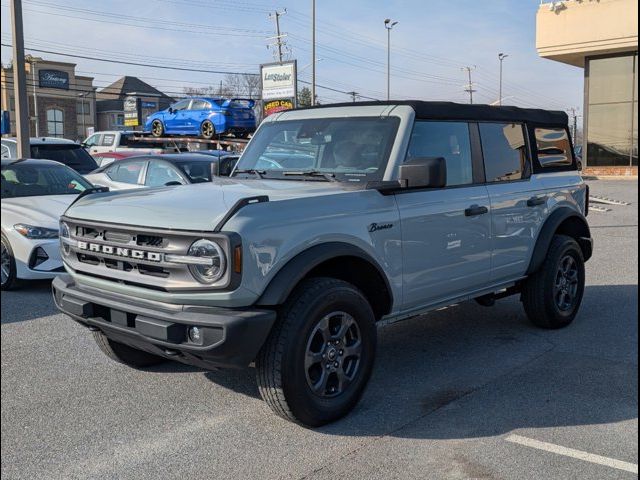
35 193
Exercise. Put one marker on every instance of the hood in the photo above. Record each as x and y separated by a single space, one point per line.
42 211
197 207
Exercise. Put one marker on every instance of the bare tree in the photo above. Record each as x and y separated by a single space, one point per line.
251 85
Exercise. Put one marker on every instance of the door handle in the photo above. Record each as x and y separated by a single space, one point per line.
536 201
475 210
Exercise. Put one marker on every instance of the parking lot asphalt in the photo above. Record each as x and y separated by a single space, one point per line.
464 393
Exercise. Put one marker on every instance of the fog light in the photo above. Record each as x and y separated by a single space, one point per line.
195 334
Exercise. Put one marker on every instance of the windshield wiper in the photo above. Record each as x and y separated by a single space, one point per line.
251 171
330 177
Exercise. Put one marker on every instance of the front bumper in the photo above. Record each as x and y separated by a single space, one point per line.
229 337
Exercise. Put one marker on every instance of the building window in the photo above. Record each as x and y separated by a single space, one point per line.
55 122
612 126
118 120
84 108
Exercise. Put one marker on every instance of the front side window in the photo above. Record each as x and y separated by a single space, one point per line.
125 172
449 140
198 171
181 105
554 149
92 140
32 180
505 152
55 122
161 173
349 149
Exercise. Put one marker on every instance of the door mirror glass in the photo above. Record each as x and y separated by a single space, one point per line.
424 172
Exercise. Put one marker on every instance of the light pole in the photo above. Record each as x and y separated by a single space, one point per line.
32 61
313 52
501 57
84 130
20 81
389 24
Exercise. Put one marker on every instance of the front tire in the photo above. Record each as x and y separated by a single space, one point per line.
9 279
318 358
552 296
157 128
124 354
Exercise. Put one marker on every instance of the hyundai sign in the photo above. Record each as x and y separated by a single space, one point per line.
53 79
278 80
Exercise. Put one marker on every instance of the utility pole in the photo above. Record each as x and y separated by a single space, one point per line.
389 24
574 123
20 81
501 57
84 129
279 43
354 96
313 52
469 88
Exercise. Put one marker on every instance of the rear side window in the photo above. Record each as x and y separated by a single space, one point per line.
449 140
200 105
108 139
505 151
125 172
71 155
554 148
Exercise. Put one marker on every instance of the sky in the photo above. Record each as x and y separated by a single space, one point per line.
430 46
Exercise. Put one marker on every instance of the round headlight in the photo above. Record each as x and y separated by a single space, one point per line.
213 270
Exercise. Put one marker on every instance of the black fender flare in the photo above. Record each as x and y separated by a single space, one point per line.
286 279
550 228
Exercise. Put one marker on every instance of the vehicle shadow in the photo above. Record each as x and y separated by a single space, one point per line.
30 301
470 371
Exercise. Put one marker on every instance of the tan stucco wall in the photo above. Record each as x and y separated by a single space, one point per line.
580 28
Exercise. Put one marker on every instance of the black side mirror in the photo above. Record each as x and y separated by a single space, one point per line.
170 110
424 172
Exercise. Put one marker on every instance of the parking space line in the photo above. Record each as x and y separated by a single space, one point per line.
570 452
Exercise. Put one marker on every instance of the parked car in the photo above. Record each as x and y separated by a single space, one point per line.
208 117
577 150
122 141
406 207
34 195
161 170
61 150
105 158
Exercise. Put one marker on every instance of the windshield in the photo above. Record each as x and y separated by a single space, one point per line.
71 155
35 180
351 149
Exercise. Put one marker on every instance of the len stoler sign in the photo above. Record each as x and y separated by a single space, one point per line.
279 80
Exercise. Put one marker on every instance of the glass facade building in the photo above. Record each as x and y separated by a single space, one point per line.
611 104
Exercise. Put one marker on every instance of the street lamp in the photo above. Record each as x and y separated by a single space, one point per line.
389 24
32 61
501 57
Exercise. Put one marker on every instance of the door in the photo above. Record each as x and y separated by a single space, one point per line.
446 244
517 205
198 113
175 119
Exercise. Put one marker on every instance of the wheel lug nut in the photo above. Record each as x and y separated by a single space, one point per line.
341 352
336 364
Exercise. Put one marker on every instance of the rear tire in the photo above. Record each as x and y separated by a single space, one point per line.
318 358
207 130
124 354
552 296
9 279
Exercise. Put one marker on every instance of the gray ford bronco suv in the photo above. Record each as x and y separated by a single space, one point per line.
334 218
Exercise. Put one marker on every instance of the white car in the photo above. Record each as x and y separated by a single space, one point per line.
122 141
34 195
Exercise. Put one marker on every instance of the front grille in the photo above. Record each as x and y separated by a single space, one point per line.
134 256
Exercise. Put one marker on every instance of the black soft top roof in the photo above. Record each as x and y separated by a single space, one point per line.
462 111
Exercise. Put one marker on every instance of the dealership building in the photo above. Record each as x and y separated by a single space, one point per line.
111 100
61 102
600 36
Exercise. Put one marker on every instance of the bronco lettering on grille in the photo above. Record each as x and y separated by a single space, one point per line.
120 252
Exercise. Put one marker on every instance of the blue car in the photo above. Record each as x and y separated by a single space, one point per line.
208 117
